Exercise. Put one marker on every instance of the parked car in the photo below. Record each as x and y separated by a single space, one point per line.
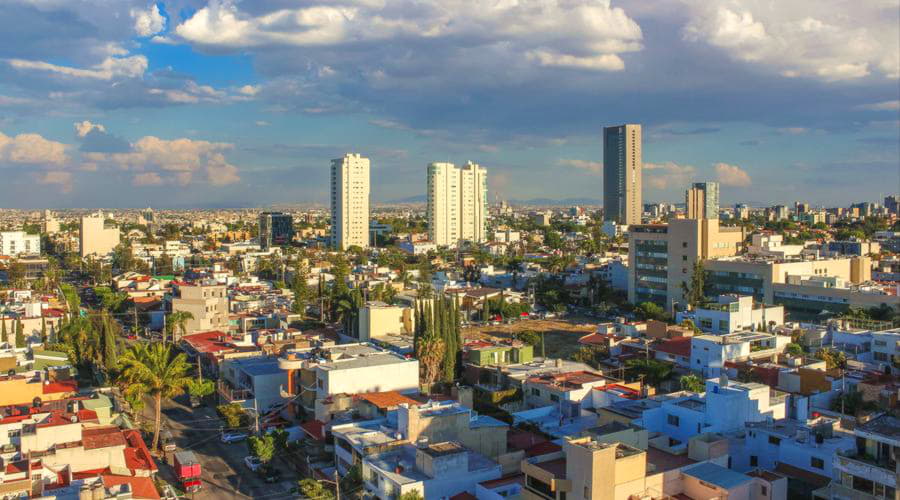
233 437
269 474
252 463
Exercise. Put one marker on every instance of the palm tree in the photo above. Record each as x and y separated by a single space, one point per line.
691 383
150 369
654 372
178 321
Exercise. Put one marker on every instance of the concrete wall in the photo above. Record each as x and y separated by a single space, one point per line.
401 376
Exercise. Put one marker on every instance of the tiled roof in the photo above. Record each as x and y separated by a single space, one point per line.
61 386
102 437
137 456
678 346
385 400
315 429
141 487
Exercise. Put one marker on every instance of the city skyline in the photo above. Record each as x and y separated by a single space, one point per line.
212 104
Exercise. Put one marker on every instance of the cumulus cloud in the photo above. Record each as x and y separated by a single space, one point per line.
580 34
149 21
668 174
732 175
842 42
593 167
31 149
85 127
109 68
147 179
59 178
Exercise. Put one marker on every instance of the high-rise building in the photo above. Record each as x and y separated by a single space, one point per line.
457 203
622 169
275 228
94 238
15 243
350 201
702 200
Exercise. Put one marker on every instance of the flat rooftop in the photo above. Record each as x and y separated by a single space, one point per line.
717 475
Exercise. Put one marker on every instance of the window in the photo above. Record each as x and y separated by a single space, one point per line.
774 440
763 490
672 420
14 433
754 461
817 462
554 398
535 391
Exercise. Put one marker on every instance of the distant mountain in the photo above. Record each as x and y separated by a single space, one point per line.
557 202
419 198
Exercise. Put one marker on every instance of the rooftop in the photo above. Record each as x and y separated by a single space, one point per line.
885 425
385 400
567 381
716 475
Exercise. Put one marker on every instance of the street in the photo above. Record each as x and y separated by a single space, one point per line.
224 474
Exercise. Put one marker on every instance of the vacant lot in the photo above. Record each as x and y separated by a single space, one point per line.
560 335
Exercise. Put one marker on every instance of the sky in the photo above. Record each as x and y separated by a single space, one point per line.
229 103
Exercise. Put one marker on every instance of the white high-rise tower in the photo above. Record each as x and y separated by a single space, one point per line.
457 203
350 201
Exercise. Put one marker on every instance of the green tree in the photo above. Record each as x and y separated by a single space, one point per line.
200 388
412 495
590 354
281 439
312 489
692 383
233 415
654 372
649 310
177 321
695 293
852 403
793 349
3 333
262 447
43 330
832 358
20 334
152 370
300 289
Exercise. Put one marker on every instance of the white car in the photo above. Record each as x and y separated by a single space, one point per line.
233 437
252 463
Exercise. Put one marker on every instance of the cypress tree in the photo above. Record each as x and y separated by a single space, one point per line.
20 334
3 329
43 330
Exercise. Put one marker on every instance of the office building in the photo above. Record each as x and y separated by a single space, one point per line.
350 202
702 200
622 169
94 237
15 243
457 203
49 223
275 228
661 257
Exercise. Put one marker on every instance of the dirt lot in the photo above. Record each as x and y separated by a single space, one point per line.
560 335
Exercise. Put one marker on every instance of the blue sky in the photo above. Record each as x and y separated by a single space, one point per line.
230 103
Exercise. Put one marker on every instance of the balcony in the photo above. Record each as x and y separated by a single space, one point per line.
867 467
233 395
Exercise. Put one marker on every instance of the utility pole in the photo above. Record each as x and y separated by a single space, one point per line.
164 327
337 485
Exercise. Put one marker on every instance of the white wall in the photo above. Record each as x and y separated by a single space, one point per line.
401 376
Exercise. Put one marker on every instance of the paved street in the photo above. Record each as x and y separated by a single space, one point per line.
224 474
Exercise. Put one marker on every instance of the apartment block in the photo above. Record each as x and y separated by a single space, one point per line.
94 237
733 313
457 203
16 243
207 303
869 471
662 256
702 200
622 171
350 202
710 352
377 320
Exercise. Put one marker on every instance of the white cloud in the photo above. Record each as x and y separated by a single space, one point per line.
59 178
148 22
262 123
85 127
31 149
668 174
111 67
249 90
845 41
582 34
882 106
732 175
147 179
793 130
594 167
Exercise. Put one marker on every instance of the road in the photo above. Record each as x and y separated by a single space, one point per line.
224 474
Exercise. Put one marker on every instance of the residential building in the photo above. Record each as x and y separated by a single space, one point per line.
733 313
772 245
710 352
725 407
377 320
886 350
350 202
16 243
275 228
564 390
869 471
485 353
457 203
436 470
853 247
622 170
207 302
661 257
94 237
252 382
702 200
